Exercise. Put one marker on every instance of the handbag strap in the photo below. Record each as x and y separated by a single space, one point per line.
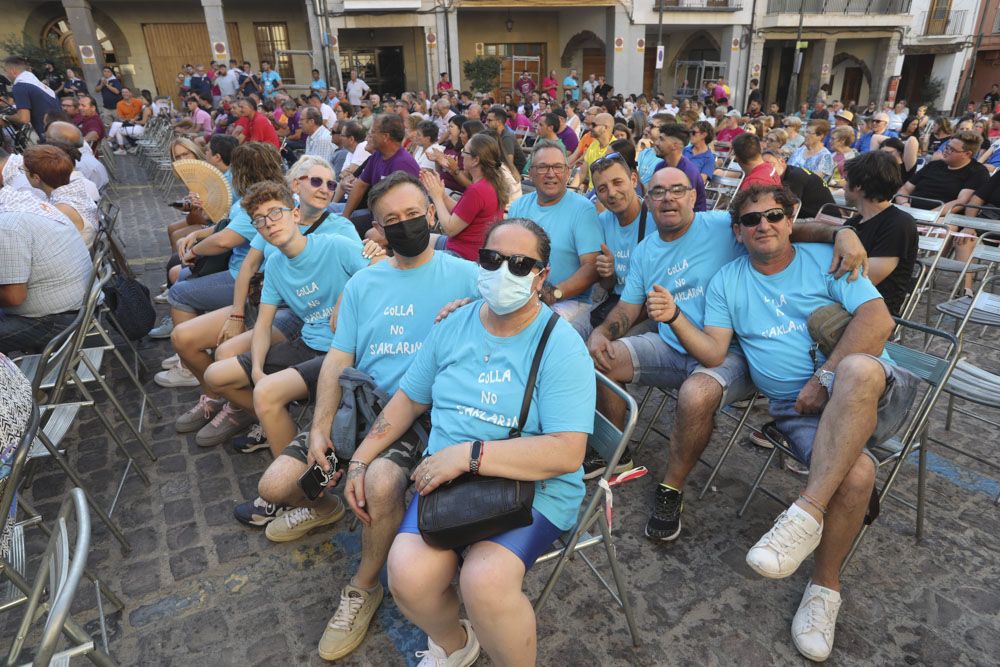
529 387
313 226
642 222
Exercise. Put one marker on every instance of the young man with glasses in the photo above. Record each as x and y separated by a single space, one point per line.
829 409
953 179
386 313
686 252
571 223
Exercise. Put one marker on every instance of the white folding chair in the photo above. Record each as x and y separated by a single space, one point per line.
609 442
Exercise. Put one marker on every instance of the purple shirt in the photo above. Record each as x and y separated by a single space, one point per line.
378 167
694 175
569 138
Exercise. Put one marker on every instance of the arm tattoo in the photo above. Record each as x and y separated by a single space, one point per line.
355 471
380 427
614 330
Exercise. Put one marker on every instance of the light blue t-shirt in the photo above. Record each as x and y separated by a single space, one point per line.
685 266
475 383
228 176
239 222
621 241
646 165
311 282
386 313
336 225
570 81
571 224
769 313
269 79
318 84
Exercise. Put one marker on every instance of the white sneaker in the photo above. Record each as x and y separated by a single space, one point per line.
162 297
178 376
170 362
815 622
779 553
435 656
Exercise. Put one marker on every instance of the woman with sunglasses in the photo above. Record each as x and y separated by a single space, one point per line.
465 222
228 329
471 373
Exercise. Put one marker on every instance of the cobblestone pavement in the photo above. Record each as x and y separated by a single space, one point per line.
201 589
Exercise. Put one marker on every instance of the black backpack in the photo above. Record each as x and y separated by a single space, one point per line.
128 299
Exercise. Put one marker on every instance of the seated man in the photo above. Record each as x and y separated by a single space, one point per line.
688 250
571 223
45 269
953 179
383 319
888 233
747 154
829 409
807 187
307 275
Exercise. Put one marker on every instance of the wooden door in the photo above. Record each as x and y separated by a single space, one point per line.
851 92
937 17
649 70
171 46
593 63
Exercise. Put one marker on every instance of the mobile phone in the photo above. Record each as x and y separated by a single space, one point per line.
314 480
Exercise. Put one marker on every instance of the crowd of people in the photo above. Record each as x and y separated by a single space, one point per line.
417 246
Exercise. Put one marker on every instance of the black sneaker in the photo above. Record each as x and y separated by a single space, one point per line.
253 440
594 466
665 523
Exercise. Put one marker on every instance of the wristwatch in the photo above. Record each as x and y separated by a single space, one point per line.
557 294
825 379
474 456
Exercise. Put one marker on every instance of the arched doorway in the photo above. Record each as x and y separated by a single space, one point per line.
57 33
593 54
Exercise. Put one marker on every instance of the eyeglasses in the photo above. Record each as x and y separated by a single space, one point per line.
273 215
548 168
772 215
316 182
948 148
674 192
519 265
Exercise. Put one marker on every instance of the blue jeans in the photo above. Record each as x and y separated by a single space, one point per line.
204 294
30 334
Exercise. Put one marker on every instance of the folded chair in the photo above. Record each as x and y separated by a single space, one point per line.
51 594
609 442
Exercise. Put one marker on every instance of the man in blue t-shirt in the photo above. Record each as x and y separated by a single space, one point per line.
829 408
386 313
570 220
32 98
110 89
687 251
307 275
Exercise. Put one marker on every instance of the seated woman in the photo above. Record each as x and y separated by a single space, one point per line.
813 155
485 349
465 222
48 169
183 148
449 159
698 151
841 140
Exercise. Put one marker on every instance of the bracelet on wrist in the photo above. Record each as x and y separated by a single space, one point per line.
236 317
354 462
677 313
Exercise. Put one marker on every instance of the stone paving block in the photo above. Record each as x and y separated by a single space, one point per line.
188 563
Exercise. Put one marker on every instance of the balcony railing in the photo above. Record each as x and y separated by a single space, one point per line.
945 22
698 5
838 6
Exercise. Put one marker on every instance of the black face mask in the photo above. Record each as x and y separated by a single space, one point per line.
408 238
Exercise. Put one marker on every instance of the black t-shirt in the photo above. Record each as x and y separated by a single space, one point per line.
604 89
992 98
809 188
990 192
891 233
937 181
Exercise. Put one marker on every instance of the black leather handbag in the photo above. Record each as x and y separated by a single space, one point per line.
472 508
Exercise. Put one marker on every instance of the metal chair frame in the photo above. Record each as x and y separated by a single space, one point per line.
610 443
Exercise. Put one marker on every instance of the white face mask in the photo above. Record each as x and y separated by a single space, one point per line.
503 291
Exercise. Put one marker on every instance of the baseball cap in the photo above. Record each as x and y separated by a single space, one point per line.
734 113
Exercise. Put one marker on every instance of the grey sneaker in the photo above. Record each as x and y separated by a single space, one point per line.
230 422
164 330
203 411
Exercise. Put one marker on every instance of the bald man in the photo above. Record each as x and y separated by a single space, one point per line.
602 131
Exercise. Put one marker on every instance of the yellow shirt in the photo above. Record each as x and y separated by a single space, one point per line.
594 152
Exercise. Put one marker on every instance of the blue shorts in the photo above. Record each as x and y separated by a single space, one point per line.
527 543
656 364
204 294
893 407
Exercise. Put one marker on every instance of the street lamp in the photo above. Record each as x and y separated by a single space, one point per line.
791 101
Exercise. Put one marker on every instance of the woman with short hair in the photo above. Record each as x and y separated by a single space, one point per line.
49 169
813 155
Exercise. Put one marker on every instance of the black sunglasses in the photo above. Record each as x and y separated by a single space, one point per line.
773 215
519 265
610 157
316 182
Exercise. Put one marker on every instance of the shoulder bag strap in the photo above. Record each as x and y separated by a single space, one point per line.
529 387
313 226
642 222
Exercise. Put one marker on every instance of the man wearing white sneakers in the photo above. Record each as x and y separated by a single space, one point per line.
829 409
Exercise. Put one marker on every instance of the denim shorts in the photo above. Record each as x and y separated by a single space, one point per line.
577 313
656 364
202 295
527 543
893 407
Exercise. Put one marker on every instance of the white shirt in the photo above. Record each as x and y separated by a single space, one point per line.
671 109
356 90
329 115
359 155
91 167
228 84
896 120
320 144
15 178
423 159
